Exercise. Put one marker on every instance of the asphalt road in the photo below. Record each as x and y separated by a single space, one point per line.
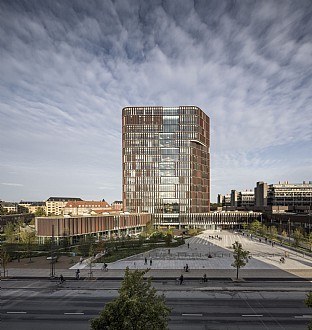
72 309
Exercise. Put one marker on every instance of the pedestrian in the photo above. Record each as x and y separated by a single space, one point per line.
181 279
145 261
151 262
80 261
62 279
77 274
188 245
186 268
205 278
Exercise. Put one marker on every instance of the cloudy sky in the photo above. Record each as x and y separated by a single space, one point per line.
69 67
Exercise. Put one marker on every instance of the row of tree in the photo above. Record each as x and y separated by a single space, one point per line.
297 235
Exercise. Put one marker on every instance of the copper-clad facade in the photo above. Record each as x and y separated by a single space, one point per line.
97 225
166 161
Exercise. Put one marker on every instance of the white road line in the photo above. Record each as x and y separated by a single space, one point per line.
303 317
252 315
16 312
73 313
190 314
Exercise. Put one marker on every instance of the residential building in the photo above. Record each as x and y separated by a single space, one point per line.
56 205
166 161
76 208
10 207
117 206
32 207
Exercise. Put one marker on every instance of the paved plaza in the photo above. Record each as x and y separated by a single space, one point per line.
170 262
265 258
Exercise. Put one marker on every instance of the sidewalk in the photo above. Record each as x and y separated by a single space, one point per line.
169 263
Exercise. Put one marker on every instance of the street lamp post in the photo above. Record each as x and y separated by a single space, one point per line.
289 230
52 272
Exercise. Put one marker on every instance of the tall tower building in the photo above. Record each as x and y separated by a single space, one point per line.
166 161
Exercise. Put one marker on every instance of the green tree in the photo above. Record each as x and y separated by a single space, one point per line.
273 232
240 255
149 229
308 303
2 210
85 245
309 241
138 307
255 227
168 239
245 225
298 236
40 212
284 234
263 230
28 238
9 232
4 258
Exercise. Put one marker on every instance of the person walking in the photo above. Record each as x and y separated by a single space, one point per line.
62 279
181 279
77 274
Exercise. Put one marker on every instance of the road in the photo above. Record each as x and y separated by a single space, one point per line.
34 309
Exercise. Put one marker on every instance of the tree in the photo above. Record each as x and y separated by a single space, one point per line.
308 303
263 230
28 238
255 227
40 212
245 225
273 232
4 258
9 232
149 229
138 307
240 255
309 241
298 237
2 210
284 234
85 245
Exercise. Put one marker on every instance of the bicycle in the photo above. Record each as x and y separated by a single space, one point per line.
203 279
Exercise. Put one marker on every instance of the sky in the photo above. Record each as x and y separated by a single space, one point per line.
69 67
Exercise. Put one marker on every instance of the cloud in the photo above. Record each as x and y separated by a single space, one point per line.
68 70
12 184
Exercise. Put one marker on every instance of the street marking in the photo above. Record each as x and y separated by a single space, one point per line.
303 317
16 312
190 314
73 313
252 315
